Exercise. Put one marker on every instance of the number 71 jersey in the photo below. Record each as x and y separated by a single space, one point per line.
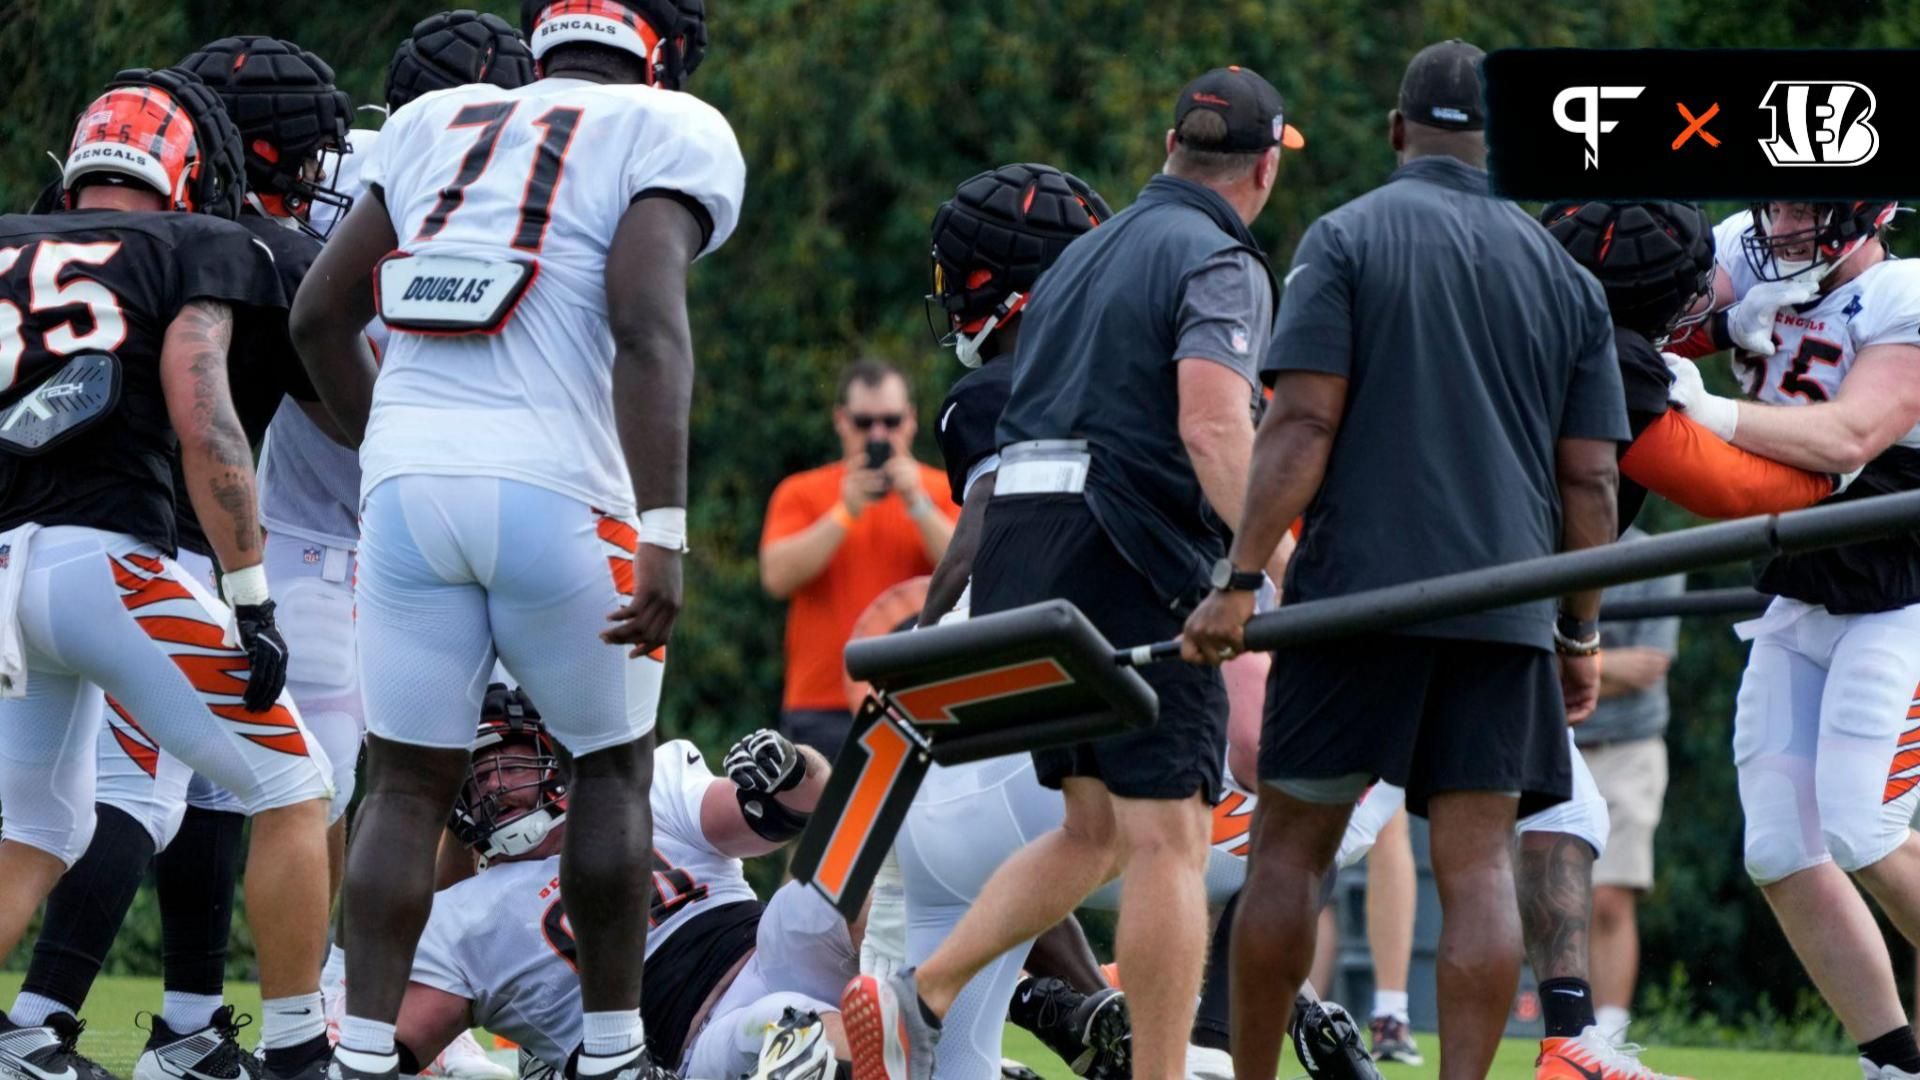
539 175
1819 341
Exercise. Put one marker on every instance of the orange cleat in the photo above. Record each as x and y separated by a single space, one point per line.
1591 1056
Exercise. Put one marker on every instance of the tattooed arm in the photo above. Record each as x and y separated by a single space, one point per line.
213 448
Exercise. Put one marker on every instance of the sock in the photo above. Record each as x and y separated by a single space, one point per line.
1895 1049
290 1021
1567 1005
608 1033
188 1012
85 910
1390 1003
1211 1023
335 969
1612 1020
32 1010
194 881
369 1037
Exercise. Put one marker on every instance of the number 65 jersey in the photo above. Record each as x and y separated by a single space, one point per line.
538 176
1818 343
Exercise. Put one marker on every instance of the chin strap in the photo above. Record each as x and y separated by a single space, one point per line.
521 836
968 347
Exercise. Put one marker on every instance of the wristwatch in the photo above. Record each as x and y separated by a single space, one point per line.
1226 579
1575 637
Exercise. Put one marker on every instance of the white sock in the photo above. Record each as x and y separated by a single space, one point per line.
32 1010
335 969
367 1037
1612 1021
188 1012
290 1021
1390 1003
609 1033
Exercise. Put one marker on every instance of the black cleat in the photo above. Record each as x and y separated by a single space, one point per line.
634 1064
212 1053
1091 1032
48 1051
344 1064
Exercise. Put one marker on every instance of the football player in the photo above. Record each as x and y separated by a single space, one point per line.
523 464
310 483
1827 327
499 950
121 305
290 117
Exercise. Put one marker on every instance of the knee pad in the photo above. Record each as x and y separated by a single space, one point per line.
1856 848
65 836
1772 857
317 618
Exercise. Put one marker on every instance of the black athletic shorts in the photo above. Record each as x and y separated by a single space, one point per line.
1432 715
1043 547
823 729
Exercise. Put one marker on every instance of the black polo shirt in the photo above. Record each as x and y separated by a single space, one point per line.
1471 342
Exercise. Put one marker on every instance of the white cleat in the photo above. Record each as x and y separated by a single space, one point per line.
1206 1063
464 1060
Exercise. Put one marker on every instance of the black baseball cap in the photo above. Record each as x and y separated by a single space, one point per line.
1442 87
1250 105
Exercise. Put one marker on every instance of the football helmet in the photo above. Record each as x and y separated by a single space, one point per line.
516 787
991 242
1838 230
292 120
164 129
668 36
455 48
1654 259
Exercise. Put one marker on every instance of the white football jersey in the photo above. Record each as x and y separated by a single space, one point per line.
543 173
1818 341
501 938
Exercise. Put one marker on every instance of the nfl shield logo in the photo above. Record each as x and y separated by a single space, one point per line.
6 555
311 556
1239 340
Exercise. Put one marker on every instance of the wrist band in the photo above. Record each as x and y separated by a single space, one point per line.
841 516
920 505
245 587
665 527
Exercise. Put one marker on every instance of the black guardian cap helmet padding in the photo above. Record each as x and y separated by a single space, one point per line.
681 24
994 238
283 100
1654 259
219 184
1838 231
455 48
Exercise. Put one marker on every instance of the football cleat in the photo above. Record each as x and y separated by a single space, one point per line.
1208 1063
1091 1032
1014 1070
1392 1041
796 1048
1327 1042
634 1064
1870 1071
212 1053
1591 1056
888 1036
48 1051
348 1064
464 1060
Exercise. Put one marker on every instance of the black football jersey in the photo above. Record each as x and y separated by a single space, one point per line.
1644 376
968 418
103 280
1860 578
262 365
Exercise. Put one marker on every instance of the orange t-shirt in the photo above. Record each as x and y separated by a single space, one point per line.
881 550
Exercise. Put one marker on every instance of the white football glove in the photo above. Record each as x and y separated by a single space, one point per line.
883 950
1750 319
765 763
1717 414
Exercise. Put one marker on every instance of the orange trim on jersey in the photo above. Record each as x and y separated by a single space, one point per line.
1678 458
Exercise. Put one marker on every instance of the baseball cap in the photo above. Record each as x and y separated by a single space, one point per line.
1249 104
1442 87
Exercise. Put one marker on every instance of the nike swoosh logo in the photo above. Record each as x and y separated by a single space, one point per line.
1586 1073
1569 993
948 415
1293 273
693 758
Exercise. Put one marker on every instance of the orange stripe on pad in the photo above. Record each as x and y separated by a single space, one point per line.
146 562
216 674
1910 737
1899 787
619 534
622 571
277 716
1904 760
181 631
138 752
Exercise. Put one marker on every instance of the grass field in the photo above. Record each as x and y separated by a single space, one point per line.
114 1041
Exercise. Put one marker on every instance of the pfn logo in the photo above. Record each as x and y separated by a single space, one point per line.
1819 123
1589 125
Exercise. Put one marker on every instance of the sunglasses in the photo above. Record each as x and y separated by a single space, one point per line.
891 421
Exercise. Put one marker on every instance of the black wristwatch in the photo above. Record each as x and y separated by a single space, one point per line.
1575 637
1226 579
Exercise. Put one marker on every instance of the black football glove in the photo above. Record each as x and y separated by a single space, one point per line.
1327 1042
267 653
765 763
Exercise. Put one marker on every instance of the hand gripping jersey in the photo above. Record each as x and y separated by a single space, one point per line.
309 484
501 938
96 280
539 174
1818 344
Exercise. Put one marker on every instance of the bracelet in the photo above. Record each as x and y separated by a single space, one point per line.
1567 646
245 587
665 527
841 516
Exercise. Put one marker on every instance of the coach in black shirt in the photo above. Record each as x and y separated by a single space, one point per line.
1124 447
1445 398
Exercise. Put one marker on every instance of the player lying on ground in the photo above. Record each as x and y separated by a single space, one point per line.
498 949
1827 328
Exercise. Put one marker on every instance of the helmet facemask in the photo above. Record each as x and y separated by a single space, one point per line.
513 797
1778 253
